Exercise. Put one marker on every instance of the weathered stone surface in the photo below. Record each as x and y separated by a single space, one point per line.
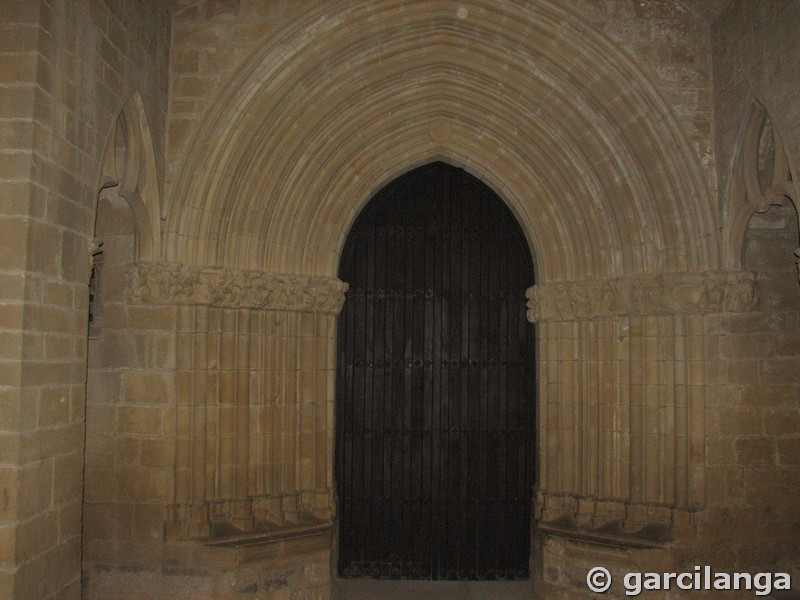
226 146
662 295
179 284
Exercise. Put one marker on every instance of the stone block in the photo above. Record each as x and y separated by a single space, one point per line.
8 544
753 452
127 451
742 371
111 582
158 454
54 409
75 258
36 535
142 387
59 347
61 294
158 318
191 86
69 520
781 422
139 420
12 252
768 395
141 485
45 236
68 478
148 523
789 451
101 483
103 386
108 521
35 488
186 61
780 370
739 421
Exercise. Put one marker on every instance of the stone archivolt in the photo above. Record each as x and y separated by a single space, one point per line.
170 283
661 295
370 112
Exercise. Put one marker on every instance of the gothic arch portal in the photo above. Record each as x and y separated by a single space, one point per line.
557 121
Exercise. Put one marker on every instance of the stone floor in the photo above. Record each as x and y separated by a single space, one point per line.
372 589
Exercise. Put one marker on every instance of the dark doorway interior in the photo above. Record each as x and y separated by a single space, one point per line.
435 388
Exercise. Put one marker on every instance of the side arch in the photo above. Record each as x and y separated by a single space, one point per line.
129 164
761 178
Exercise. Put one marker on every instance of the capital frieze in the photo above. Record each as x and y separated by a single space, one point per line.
679 293
172 283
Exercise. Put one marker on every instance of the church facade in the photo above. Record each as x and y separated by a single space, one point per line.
180 180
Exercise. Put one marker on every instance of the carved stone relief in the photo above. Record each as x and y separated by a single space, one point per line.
659 295
169 283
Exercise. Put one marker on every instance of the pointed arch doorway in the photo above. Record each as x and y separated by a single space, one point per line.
435 385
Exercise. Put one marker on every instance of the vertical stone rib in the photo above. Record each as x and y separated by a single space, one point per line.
564 404
653 401
636 410
681 413
608 422
666 409
242 510
623 426
183 401
257 404
199 401
212 457
226 394
543 432
322 426
288 460
696 410
306 375
331 399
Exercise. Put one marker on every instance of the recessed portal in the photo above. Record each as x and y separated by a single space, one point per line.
435 385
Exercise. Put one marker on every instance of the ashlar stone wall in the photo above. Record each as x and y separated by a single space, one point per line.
754 414
625 136
67 68
283 124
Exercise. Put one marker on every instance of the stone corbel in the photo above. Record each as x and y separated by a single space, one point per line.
169 283
775 195
607 521
681 293
797 260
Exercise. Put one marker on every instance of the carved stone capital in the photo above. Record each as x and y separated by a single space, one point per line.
658 295
170 283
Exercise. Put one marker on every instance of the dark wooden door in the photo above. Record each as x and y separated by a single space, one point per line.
435 389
